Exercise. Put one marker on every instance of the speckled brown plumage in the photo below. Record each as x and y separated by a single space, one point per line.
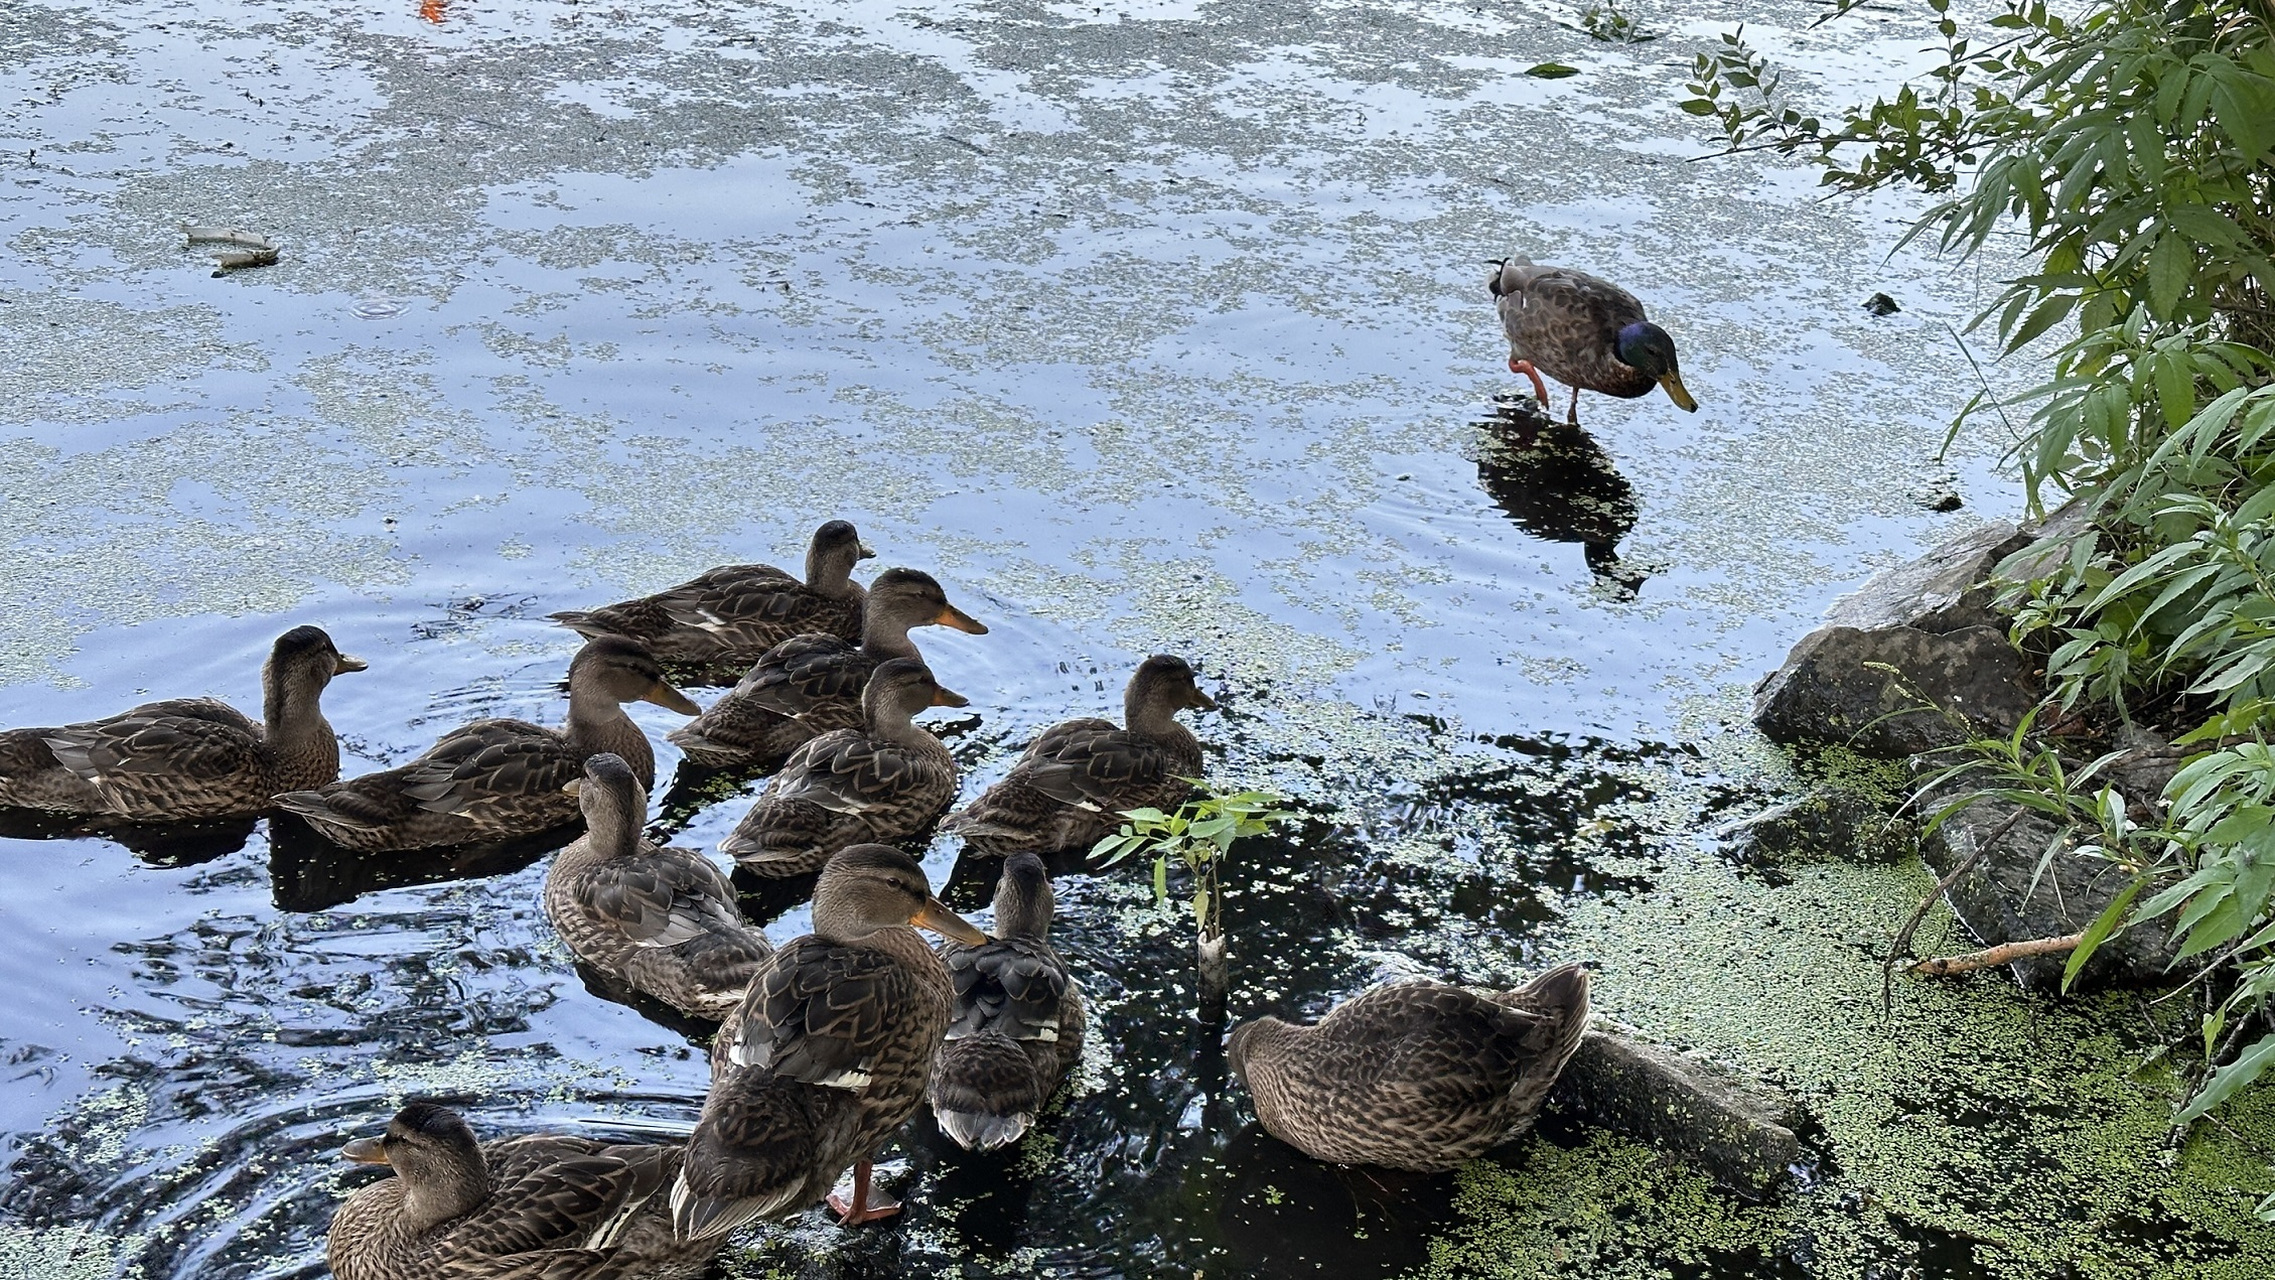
543 1207
887 782
810 685
188 757
736 612
497 779
1583 331
661 920
1070 788
1018 1021
827 1055
1419 1075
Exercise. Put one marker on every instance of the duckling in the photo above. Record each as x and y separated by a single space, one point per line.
1072 786
810 685
662 920
1017 1027
887 782
497 779
736 612
1418 1075
827 1055
1584 331
541 1207
188 757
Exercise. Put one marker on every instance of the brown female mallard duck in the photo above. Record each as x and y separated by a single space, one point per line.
1070 789
188 757
736 612
1017 1025
807 686
496 779
541 1207
663 921
886 782
1416 1075
1583 331
827 1055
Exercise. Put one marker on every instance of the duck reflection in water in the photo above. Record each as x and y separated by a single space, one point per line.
1555 482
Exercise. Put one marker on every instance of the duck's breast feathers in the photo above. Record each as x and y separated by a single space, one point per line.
659 899
1011 986
822 1012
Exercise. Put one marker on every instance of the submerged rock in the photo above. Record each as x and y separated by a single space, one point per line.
2006 897
1738 1131
1828 823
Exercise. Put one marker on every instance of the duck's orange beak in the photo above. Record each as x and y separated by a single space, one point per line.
956 619
670 699
936 916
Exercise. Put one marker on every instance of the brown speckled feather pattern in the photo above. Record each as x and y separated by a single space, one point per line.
491 780
552 1196
1070 788
733 613
1567 323
1419 1076
664 920
823 1061
1015 1032
804 687
844 788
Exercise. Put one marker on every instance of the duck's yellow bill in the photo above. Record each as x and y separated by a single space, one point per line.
670 699
936 916
1673 382
365 1151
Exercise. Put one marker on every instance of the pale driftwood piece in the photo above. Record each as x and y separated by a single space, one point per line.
252 249
1992 957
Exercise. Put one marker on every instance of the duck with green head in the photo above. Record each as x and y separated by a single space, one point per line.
1584 331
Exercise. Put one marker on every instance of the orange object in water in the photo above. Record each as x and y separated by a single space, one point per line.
434 10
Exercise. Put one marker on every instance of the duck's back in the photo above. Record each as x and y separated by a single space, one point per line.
1070 788
730 613
177 758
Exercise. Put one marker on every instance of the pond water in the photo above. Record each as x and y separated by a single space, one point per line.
1146 327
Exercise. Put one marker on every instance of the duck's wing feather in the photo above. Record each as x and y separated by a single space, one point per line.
661 898
1099 768
804 672
819 1013
1013 986
575 1202
191 738
847 771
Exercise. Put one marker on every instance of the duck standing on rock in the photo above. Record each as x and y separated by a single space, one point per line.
883 783
541 1207
1017 1026
663 921
810 685
188 757
496 779
736 612
1583 331
1071 787
828 1054
1418 1075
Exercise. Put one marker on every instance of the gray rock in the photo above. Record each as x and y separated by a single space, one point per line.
1898 691
1936 593
1739 1131
1998 901
1829 823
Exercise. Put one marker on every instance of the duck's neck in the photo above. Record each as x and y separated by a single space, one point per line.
1151 718
829 575
597 723
301 744
884 635
898 728
431 1204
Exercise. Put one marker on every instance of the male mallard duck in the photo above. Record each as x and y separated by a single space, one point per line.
1416 1075
662 920
827 1055
1584 331
807 686
1070 789
1017 1026
736 612
188 757
495 779
542 1207
886 782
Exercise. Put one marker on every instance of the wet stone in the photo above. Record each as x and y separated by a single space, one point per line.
1738 1131
1827 823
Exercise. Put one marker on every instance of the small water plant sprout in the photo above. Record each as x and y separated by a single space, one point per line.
1199 836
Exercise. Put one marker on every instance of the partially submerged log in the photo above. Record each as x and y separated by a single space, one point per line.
1739 1131
250 248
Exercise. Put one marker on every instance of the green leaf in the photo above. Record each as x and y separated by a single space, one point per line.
2248 1066
1557 71
2098 933
1161 880
2170 264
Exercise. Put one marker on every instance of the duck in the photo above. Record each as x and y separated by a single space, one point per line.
499 779
827 1056
809 685
885 782
1422 1076
537 1207
1017 1026
736 612
188 758
1072 785
1584 331
663 921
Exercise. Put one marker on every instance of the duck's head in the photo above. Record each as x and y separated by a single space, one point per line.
1645 346
622 670
301 662
1023 901
1163 686
433 1151
867 887
836 548
900 688
613 801
912 598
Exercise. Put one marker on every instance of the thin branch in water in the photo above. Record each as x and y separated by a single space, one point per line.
1992 957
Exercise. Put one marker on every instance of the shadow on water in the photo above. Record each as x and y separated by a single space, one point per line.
158 844
309 873
1556 483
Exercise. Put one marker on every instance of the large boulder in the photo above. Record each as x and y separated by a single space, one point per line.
2007 897
1737 1130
